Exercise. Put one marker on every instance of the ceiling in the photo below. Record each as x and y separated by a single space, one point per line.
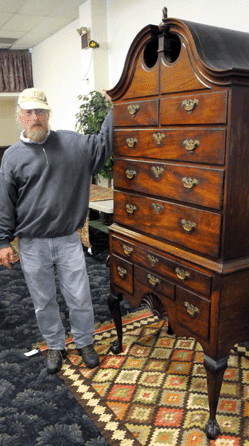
25 23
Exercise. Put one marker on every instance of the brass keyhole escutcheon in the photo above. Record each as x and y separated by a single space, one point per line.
131 142
189 183
190 145
189 105
188 225
158 137
133 109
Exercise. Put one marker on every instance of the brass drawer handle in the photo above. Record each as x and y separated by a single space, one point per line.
130 208
158 137
130 174
153 260
189 183
122 272
157 207
157 171
181 274
191 145
190 105
133 109
131 142
188 225
191 309
127 250
154 281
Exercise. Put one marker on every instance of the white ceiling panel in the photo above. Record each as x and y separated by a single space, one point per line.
38 7
10 5
22 22
49 26
25 42
32 21
4 17
11 34
67 8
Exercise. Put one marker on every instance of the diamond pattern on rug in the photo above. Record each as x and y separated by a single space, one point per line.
155 392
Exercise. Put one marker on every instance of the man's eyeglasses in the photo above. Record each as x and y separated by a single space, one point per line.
37 111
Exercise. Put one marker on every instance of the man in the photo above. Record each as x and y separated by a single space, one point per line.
44 196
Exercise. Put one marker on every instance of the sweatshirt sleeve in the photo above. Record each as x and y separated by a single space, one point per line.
8 198
101 145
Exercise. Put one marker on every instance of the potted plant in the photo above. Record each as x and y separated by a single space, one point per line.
92 112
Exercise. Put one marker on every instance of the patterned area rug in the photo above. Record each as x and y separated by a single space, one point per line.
155 392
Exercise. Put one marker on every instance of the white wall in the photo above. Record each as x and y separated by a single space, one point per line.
127 18
57 71
95 72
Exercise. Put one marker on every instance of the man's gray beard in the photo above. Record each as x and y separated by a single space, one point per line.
37 135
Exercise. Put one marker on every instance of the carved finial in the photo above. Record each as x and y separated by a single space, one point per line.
165 13
162 26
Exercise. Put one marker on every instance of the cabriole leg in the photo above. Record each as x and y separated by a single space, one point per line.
215 371
114 306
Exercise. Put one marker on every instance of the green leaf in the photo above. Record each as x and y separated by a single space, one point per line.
93 109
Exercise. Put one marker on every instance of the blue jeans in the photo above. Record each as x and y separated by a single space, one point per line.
40 258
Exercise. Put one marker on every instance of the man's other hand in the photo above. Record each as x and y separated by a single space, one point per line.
6 257
107 96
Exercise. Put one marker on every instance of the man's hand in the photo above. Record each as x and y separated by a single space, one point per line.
107 96
6 257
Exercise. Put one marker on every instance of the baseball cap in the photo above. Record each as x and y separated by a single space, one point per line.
33 98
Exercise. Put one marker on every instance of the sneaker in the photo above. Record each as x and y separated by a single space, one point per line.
89 356
54 360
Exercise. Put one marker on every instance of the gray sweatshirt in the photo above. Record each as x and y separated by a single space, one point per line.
44 188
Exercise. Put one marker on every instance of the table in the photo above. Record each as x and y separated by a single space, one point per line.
101 199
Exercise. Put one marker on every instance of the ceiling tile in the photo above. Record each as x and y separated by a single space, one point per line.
13 34
68 8
44 30
11 5
22 22
4 17
25 43
49 26
32 21
38 7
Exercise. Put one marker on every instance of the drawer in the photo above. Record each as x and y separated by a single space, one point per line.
193 145
124 247
193 312
197 185
122 273
177 272
195 229
140 113
154 282
206 108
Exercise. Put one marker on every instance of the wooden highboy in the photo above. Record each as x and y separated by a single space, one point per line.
180 237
